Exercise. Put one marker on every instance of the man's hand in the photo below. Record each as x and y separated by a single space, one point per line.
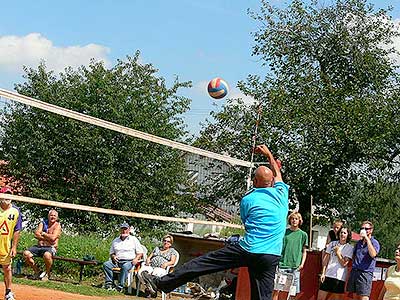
262 149
322 278
13 252
135 261
114 258
274 165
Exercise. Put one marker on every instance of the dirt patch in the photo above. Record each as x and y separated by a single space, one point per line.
26 292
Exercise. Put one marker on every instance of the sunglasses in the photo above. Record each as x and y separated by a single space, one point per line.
166 241
366 228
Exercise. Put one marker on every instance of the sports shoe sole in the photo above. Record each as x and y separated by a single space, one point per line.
148 279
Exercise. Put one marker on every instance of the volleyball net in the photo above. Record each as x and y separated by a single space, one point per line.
29 101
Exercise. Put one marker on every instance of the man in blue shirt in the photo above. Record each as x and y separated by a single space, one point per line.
364 261
263 211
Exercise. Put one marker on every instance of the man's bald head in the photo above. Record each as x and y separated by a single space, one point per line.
263 177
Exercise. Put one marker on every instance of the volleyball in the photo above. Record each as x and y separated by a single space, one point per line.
217 88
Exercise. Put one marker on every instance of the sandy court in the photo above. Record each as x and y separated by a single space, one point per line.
26 292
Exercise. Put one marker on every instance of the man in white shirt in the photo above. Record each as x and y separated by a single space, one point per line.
125 252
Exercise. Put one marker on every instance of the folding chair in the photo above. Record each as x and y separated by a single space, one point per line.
170 269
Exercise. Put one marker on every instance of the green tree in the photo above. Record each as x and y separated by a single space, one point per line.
60 159
329 97
379 203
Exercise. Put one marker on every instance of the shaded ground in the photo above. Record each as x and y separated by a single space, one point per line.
27 292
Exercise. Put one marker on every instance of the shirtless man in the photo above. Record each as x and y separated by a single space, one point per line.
47 233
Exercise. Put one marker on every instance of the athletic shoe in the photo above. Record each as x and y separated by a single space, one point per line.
10 296
109 286
149 282
44 276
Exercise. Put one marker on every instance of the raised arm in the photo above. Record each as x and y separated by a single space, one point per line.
263 149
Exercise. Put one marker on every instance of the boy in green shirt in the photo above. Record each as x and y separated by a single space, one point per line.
293 252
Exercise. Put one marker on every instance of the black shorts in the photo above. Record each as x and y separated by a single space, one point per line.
332 285
41 250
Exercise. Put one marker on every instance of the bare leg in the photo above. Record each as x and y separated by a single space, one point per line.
29 260
334 296
7 276
48 261
322 295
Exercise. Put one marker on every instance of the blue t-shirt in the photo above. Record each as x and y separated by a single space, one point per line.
263 212
362 260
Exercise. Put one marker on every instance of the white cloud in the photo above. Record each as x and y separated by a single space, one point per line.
396 41
237 94
29 50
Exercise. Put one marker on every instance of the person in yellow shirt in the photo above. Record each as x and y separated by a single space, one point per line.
391 289
10 226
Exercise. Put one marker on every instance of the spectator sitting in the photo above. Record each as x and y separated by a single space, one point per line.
48 234
159 259
125 252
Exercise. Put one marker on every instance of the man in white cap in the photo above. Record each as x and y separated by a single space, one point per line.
125 252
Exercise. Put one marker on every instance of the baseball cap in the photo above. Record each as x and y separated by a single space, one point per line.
124 225
6 190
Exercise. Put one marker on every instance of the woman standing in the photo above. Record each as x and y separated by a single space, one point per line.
391 289
334 266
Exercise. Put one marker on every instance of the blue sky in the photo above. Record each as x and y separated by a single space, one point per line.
193 39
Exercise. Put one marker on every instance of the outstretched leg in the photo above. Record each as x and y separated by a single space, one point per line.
231 256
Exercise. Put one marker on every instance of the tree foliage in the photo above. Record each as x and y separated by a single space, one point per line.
60 159
329 97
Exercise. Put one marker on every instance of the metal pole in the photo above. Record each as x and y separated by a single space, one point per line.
311 223
259 109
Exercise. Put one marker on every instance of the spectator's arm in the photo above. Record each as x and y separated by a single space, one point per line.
170 263
383 290
52 237
303 258
328 240
325 260
371 249
137 258
148 260
38 232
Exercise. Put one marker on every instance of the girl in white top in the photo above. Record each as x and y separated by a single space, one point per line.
334 266
391 289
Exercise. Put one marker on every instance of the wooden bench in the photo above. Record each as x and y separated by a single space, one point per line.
81 262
